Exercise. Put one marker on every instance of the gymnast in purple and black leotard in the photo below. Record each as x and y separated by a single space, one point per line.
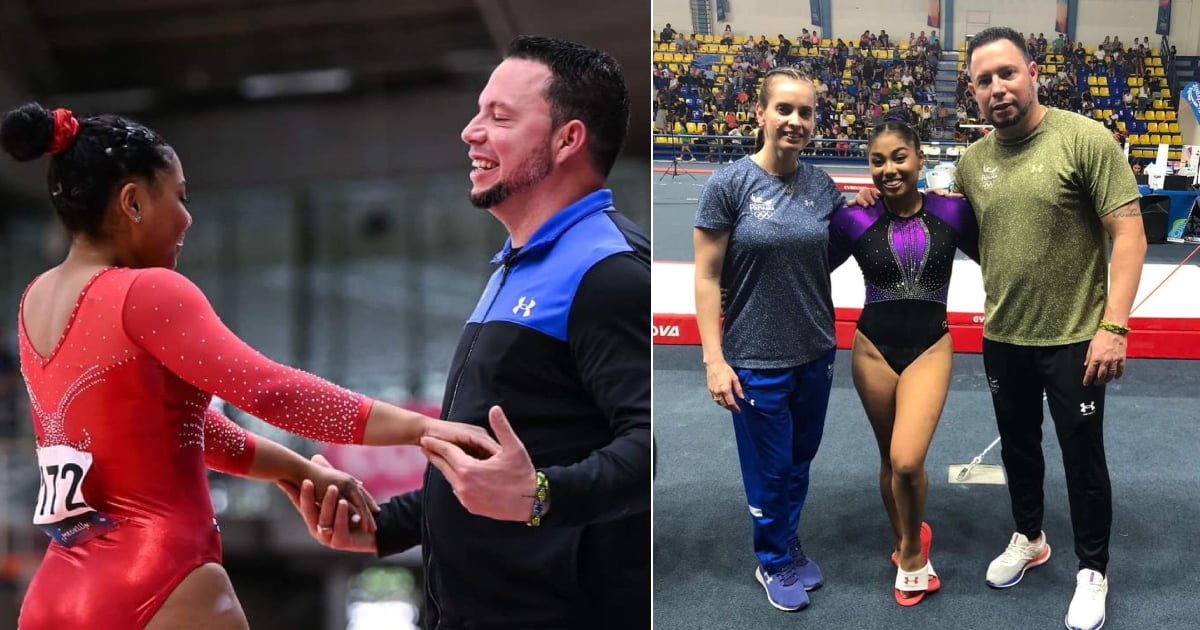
905 245
906 264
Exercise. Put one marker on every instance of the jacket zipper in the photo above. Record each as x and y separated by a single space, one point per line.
508 260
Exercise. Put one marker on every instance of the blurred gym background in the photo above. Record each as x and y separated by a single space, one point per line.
320 141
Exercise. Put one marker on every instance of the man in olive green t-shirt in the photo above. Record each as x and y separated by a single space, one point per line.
1049 187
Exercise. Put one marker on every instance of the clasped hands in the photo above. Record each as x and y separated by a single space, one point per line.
494 479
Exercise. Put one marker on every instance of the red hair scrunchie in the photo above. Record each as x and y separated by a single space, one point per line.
66 127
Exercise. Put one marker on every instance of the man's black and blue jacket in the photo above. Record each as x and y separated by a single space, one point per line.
560 340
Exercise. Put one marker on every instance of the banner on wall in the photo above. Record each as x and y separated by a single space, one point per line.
935 14
722 9
1163 26
1062 15
815 5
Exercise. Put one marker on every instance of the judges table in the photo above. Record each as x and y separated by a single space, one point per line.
1181 204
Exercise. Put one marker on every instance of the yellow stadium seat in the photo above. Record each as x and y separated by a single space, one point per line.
1121 126
826 43
1154 51
1152 127
661 140
1173 128
1091 80
1177 140
1104 92
1103 80
1158 104
1158 72
1155 139
1170 114
1160 115
1050 69
1166 93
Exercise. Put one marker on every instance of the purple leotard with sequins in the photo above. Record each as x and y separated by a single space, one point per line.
906 264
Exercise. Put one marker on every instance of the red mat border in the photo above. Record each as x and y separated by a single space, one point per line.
1151 338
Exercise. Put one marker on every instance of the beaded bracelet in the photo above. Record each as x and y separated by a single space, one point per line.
1116 329
541 495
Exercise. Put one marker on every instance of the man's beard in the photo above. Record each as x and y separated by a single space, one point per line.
1020 115
535 170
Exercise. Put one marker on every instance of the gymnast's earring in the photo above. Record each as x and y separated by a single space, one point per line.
137 217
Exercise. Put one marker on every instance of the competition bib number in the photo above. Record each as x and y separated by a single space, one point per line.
61 510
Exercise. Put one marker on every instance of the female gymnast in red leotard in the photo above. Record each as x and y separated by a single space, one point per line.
121 356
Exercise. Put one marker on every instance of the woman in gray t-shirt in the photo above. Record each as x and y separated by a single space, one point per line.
761 235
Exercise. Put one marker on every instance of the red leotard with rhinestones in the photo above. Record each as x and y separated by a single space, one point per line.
130 382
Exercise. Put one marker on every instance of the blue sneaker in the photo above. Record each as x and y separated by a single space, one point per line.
809 572
784 589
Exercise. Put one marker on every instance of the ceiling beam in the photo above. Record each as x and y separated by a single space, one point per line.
148 28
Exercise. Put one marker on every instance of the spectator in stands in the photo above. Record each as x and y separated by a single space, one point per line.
1080 53
737 147
806 39
727 36
1058 43
668 35
760 234
785 48
685 148
1143 98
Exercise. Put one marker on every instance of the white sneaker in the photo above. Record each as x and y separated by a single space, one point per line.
1087 607
1009 567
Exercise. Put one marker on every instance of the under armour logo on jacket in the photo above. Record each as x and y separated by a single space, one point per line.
1087 408
524 308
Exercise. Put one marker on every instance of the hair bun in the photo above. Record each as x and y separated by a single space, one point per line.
27 131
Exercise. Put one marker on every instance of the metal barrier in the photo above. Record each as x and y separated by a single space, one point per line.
726 149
